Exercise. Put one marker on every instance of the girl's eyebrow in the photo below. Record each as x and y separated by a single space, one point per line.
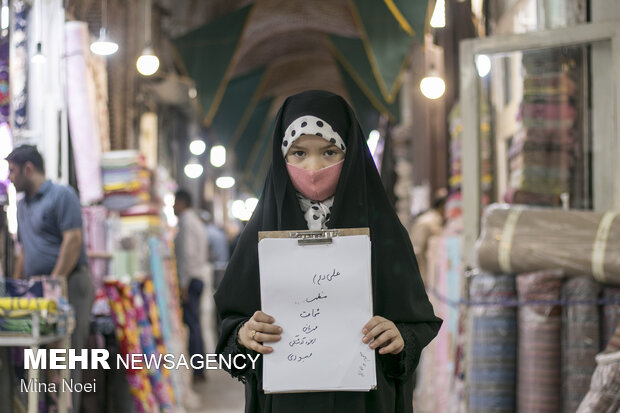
329 145
302 147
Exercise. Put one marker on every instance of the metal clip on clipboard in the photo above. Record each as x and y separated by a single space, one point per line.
319 237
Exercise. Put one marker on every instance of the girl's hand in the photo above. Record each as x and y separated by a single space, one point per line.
385 335
257 330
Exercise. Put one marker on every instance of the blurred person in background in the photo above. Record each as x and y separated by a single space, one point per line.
218 247
191 249
425 226
49 221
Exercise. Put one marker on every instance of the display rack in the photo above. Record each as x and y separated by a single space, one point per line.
604 39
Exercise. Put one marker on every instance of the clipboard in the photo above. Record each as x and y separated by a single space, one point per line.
317 286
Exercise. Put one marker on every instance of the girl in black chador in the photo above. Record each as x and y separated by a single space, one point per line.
323 176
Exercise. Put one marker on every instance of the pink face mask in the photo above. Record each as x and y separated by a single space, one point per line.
315 185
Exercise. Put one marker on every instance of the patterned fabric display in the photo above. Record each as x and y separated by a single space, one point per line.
580 339
492 371
539 364
166 393
125 318
611 313
149 349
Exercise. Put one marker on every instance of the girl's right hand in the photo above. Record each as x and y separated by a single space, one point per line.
257 330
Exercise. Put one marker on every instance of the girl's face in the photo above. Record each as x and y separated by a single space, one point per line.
313 152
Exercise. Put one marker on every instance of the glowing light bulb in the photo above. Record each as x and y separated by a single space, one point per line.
147 63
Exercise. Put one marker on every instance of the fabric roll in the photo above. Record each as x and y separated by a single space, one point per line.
127 333
614 342
82 113
24 325
94 222
580 339
611 313
149 349
605 386
602 396
19 66
5 98
493 354
522 240
539 383
147 290
162 293
8 304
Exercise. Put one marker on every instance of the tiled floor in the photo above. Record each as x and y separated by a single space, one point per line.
220 394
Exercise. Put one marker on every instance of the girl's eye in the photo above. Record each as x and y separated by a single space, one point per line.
330 152
299 154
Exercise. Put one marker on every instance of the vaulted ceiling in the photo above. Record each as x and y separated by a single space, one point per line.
245 57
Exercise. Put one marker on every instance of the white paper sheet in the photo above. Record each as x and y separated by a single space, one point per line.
321 297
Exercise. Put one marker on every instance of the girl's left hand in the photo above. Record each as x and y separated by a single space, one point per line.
385 335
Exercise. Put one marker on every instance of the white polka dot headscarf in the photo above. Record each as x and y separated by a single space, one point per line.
310 125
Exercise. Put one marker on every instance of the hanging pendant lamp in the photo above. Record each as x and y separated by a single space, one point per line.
104 46
147 63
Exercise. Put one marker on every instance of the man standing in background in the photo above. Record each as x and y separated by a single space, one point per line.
49 221
190 247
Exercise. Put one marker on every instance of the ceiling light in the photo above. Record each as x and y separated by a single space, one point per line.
225 182
438 20
197 147
483 65
373 140
4 15
251 203
218 156
103 46
240 210
193 169
433 86
38 57
147 63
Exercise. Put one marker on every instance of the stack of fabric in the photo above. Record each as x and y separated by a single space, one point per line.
125 317
542 153
454 203
138 331
539 366
493 350
126 181
21 299
580 339
93 225
605 385
611 313
17 315
520 240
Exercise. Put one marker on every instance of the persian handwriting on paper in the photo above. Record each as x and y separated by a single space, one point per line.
321 308
318 297
322 277
309 329
313 313
293 357
362 367
301 340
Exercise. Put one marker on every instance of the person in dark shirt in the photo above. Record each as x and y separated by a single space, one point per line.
49 230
